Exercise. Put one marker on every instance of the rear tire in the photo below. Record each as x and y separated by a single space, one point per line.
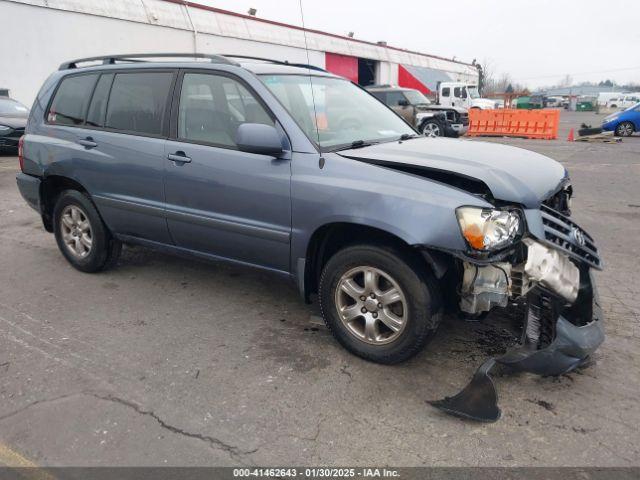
82 236
402 304
625 129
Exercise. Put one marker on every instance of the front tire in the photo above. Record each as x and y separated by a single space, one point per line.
432 128
82 236
380 303
625 129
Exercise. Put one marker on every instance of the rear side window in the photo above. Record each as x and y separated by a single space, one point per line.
70 102
446 91
98 106
138 102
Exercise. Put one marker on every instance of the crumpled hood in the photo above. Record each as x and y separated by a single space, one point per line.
512 174
13 122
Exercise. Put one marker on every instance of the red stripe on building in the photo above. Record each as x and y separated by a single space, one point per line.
342 65
407 80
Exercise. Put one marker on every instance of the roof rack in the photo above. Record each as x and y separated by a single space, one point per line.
137 57
277 62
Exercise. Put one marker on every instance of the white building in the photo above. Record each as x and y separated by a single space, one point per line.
36 36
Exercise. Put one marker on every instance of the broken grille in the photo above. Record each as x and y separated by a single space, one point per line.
565 234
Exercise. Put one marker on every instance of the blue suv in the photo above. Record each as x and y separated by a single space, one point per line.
296 171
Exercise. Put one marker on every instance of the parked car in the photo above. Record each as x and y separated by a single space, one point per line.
236 162
624 101
429 119
604 97
625 123
554 102
13 119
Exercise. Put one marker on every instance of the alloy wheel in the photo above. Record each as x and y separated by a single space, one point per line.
76 231
371 305
431 130
625 129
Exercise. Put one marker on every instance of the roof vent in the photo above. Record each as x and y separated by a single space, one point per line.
382 43
252 12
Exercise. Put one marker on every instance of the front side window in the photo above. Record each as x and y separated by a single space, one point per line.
457 92
212 107
70 102
138 102
395 98
335 113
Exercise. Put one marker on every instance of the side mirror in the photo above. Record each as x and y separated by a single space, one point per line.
259 138
403 103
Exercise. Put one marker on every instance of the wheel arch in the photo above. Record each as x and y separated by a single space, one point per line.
327 239
50 189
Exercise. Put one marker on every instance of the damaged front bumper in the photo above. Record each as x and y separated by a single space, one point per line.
562 322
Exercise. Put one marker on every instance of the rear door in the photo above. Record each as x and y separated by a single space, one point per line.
222 201
122 147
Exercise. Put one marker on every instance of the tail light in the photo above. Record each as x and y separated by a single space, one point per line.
21 152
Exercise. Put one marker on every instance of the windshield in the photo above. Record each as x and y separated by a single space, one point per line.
416 98
635 107
473 91
343 112
11 108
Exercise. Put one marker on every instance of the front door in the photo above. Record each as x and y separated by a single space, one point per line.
399 104
219 200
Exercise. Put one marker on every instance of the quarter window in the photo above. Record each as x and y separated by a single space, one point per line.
138 102
71 100
212 107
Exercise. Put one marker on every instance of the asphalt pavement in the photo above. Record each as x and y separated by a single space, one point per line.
168 361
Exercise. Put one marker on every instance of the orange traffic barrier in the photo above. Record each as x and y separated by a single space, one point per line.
514 123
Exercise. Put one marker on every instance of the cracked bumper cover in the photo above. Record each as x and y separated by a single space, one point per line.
570 347
573 343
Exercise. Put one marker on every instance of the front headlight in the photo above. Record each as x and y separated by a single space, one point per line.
487 229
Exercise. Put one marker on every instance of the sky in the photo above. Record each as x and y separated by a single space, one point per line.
537 42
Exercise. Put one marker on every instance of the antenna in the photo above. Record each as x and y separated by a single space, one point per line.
306 48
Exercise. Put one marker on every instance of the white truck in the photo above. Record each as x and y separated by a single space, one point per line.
459 94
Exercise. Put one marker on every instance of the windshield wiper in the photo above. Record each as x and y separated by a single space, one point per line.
408 136
356 144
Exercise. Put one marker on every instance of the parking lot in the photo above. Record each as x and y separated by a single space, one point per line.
167 361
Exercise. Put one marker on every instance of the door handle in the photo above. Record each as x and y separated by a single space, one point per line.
88 143
179 157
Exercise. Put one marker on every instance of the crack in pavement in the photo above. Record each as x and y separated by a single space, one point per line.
232 450
37 402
